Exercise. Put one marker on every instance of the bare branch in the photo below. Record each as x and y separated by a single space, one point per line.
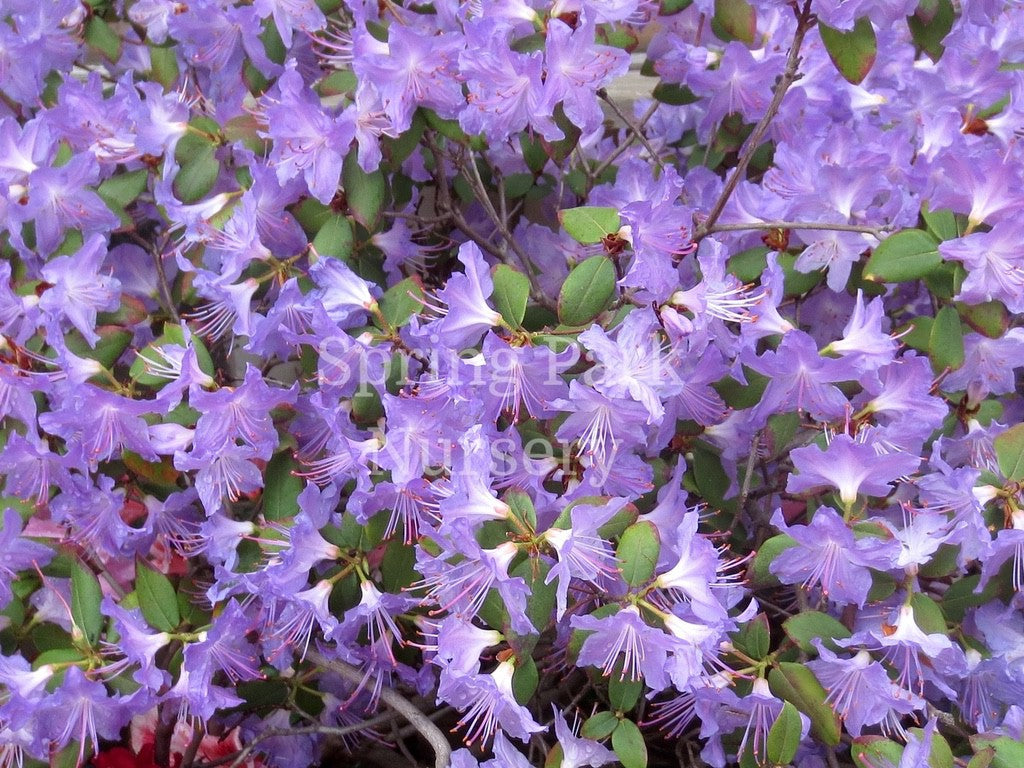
804 21
819 225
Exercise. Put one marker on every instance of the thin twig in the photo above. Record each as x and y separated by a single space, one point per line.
626 143
198 731
396 701
162 284
769 225
634 129
237 758
790 75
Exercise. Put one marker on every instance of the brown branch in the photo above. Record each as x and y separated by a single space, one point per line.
395 701
634 129
804 21
822 225
635 132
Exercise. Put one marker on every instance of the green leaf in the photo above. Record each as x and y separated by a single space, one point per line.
797 684
525 679
927 614
100 36
638 552
873 751
930 24
735 20
946 343
599 726
804 627
589 224
989 319
670 7
521 506
122 189
400 301
163 65
335 238
587 291
941 223
674 94
784 736
754 638
983 758
365 192
1009 447
281 488
623 694
906 255
511 292
85 602
629 746
853 52
157 598
1009 753
760 571
196 177
540 606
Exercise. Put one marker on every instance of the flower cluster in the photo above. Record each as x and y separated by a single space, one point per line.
376 378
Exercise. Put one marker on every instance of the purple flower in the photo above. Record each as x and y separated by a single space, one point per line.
827 554
861 692
78 289
81 711
849 466
308 142
17 554
995 265
463 303
578 752
624 641
488 704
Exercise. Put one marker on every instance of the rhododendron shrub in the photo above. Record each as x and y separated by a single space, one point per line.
511 383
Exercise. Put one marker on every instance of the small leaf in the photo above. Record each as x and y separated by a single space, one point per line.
784 736
196 177
85 602
100 36
760 570
157 599
754 638
1009 753
941 223
511 292
400 301
946 342
1009 447
983 758
335 238
638 552
735 20
365 192
906 255
122 189
589 224
871 751
281 488
540 606
623 693
804 627
629 746
674 94
853 52
930 24
989 319
587 291
599 726
797 684
525 679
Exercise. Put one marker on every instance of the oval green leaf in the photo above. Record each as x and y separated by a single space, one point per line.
638 552
797 684
946 342
1009 447
784 736
906 255
629 746
85 602
853 52
511 292
587 291
157 599
589 224
805 627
